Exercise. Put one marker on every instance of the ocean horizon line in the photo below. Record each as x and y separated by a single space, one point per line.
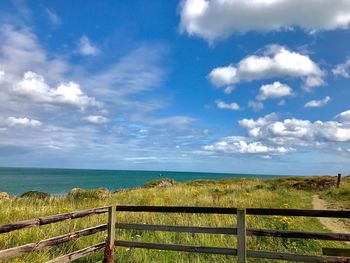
160 171
57 181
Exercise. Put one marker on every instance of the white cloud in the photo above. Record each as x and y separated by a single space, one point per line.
254 126
22 122
142 158
175 121
125 85
256 105
229 89
229 106
342 69
269 135
224 76
344 116
332 131
234 144
86 48
275 90
21 45
213 19
140 70
298 131
275 62
318 103
96 119
2 75
143 131
34 88
281 103
55 19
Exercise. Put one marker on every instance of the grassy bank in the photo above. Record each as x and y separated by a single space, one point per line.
290 192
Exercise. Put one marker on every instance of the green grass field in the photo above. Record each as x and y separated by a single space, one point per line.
274 193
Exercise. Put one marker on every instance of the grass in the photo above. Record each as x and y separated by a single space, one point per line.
274 193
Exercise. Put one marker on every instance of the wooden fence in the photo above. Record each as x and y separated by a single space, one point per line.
241 252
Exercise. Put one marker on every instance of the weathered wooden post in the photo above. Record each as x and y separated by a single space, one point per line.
109 250
338 180
241 236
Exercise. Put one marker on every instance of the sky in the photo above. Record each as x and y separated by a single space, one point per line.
253 86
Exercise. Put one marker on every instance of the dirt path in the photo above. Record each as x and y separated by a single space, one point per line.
332 224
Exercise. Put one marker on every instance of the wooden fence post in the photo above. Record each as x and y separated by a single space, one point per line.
338 180
241 236
109 250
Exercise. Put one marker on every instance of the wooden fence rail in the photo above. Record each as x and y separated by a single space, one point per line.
233 211
233 231
51 219
241 231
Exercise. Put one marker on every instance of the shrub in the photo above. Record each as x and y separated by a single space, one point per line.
35 195
164 182
79 194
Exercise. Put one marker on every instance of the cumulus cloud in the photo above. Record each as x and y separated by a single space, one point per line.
269 135
254 126
214 19
228 106
318 103
236 144
344 116
86 48
34 88
298 131
274 90
342 69
96 119
275 62
22 122
256 105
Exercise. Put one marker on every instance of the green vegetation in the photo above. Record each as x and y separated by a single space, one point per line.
77 194
35 194
160 183
340 197
292 192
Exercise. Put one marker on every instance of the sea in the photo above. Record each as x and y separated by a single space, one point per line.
16 181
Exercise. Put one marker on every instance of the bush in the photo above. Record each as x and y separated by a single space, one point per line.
79 194
164 182
35 195
4 196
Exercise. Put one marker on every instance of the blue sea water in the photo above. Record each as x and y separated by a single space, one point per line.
16 181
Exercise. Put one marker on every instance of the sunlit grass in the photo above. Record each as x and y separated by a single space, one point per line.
223 193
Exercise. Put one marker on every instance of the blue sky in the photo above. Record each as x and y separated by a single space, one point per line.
255 86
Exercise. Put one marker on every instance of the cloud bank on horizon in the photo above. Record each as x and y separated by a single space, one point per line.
266 84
